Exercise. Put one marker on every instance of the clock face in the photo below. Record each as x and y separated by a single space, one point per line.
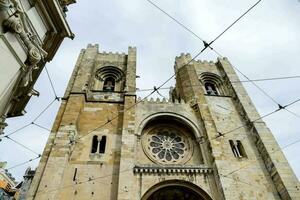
222 107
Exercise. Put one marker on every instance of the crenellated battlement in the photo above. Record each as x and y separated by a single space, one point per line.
117 57
113 53
160 101
182 60
186 58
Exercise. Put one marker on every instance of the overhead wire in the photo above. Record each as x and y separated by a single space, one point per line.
233 82
209 44
264 116
154 90
205 44
264 92
44 110
22 145
90 179
51 83
23 163
247 11
17 130
279 149
32 122
223 175
40 126
174 19
226 176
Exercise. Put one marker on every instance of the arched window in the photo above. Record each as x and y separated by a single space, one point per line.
102 144
212 84
109 84
109 79
237 149
98 145
210 88
94 144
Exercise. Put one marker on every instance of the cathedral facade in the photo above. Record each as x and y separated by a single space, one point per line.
207 142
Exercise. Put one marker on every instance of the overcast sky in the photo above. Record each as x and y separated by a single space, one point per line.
265 43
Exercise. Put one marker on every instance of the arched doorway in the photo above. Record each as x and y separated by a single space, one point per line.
175 193
175 190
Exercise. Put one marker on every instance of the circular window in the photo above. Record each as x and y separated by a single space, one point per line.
167 145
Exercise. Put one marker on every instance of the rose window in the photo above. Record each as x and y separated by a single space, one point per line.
167 146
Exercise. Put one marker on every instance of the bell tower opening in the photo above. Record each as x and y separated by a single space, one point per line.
211 89
109 84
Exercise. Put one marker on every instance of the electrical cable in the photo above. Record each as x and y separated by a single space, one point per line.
51 83
264 116
154 90
233 82
205 44
178 22
40 126
80 182
226 176
15 131
33 121
44 110
22 145
280 149
235 21
23 163
209 44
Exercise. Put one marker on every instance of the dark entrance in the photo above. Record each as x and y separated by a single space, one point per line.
175 193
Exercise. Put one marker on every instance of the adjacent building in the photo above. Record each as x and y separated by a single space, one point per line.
30 34
207 142
25 184
8 185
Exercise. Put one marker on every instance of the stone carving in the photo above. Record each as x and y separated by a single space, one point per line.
2 124
17 23
4 4
169 169
72 136
13 24
167 145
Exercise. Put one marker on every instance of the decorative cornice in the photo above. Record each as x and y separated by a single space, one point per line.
66 2
155 169
17 23
4 4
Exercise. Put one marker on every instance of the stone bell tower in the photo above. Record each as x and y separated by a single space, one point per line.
204 143
85 142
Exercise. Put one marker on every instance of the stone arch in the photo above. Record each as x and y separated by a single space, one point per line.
169 138
208 78
176 186
170 115
112 73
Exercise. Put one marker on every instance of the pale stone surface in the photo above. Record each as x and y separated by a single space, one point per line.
127 171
